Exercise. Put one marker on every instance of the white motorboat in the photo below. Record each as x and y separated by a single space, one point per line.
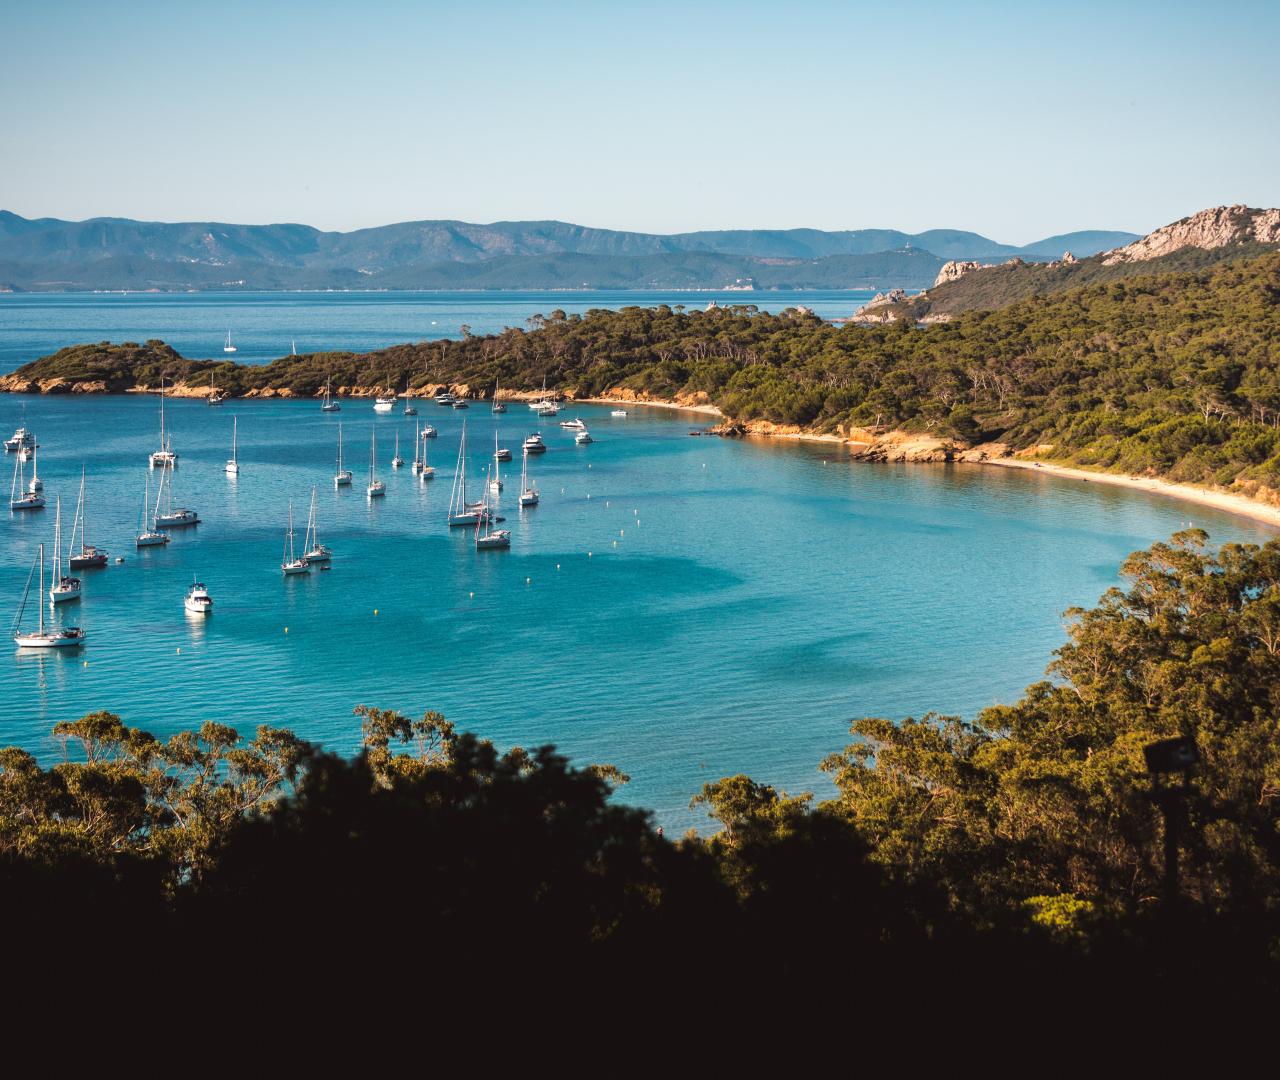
65 587
22 439
20 497
384 404
429 432
618 412
376 489
290 564
232 467
460 403
330 403
86 556
59 637
534 444
583 437
198 601
228 347
342 477
502 455
148 537
446 399
575 424
528 493
312 550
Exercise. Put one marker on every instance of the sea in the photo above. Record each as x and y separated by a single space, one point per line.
685 608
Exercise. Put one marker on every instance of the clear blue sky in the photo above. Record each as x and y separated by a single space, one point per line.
1018 120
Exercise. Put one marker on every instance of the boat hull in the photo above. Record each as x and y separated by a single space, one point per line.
88 560
66 639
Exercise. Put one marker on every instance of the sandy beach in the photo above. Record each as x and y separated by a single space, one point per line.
1219 500
705 410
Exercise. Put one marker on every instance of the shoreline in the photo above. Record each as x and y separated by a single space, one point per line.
1226 501
703 410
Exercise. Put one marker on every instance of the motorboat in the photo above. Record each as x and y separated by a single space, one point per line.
429 432
460 403
618 412
384 404
583 438
21 439
198 601
446 399
534 444
502 455
575 424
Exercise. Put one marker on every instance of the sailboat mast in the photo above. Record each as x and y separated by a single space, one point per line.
57 540
41 604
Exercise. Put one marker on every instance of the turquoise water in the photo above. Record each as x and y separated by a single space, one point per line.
265 325
758 598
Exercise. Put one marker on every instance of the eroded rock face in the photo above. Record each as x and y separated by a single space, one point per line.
1209 229
955 269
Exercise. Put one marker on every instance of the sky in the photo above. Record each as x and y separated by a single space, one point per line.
1016 120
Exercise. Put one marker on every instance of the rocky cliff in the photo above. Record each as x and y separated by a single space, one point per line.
1217 227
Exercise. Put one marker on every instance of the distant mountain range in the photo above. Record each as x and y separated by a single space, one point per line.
47 254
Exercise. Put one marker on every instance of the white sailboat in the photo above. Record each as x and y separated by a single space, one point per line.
171 518
20 498
425 471
148 537
290 564
498 406
65 587
312 550
36 485
487 537
216 396
61 637
165 455
528 493
341 478
495 482
330 404
198 601
233 463
86 555
462 512
228 347
376 488
397 462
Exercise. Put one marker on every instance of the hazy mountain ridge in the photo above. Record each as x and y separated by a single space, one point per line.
106 253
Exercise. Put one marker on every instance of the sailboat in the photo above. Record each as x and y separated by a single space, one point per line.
233 463
330 404
216 397
61 637
462 512
312 550
36 483
376 488
87 556
397 462
498 406
424 471
19 497
341 478
528 494
65 587
289 563
148 537
165 455
487 537
495 484
171 518
545 407
228 347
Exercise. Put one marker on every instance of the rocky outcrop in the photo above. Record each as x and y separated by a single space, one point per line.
16 384
954 270
879 309
1209 229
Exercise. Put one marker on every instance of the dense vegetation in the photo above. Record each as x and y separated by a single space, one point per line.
955 855
1176 374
